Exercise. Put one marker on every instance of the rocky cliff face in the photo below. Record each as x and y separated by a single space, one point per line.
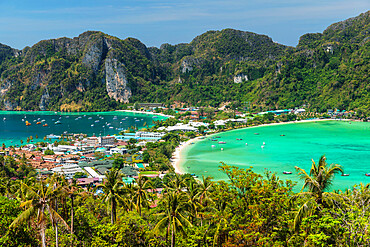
116 80
240 78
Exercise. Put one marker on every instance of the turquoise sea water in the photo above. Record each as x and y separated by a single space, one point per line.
344 143
13 127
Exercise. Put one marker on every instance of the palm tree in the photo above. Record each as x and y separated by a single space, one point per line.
39 203
204 194
317 182
113 190
72 190
172 219
141 195
192 203
177 183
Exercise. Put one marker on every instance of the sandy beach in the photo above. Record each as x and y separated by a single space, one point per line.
176 157
145 112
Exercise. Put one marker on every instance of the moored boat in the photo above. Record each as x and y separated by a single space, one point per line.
367 174
286 172
221 142
345 175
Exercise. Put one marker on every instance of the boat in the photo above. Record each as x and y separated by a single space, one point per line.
246 144
218 137
92 125
345 175
367 174
285 172
90 118
239 139
38 123
4 118
45 125
256 133
28 123
96 121
282 135
222 149
262 146
263 143
214 140
213 146
57 122
221 142
111 127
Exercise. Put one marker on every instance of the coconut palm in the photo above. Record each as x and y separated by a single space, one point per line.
40 200
113 189
72 190
316 182
177 183
141 195
192 201
172 218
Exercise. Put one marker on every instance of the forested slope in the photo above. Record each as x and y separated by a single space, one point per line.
96 71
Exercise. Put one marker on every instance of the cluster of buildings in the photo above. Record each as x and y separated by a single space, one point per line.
338 113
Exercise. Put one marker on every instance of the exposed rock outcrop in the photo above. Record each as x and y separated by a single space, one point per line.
240 78
44 100
116 80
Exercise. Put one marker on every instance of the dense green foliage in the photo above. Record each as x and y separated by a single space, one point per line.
247 210
325 71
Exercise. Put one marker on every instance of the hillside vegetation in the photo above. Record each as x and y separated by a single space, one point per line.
95 71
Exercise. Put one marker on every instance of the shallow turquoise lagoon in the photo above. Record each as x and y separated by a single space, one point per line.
13 127
286 146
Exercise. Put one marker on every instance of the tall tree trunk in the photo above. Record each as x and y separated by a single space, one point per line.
42 233
113 213
173 237
56 225
72 214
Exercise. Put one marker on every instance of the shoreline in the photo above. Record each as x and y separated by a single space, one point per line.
176 156
149 112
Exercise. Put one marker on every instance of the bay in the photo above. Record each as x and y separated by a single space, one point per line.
286 146
13 124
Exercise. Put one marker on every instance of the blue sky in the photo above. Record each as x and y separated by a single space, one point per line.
154 22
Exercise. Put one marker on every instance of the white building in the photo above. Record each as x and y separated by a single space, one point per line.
92 141
198 124
106 140
181 127
68 170
118 151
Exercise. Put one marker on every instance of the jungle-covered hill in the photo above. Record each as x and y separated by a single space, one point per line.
95 71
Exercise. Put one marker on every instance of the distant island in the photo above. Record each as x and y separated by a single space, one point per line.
98 72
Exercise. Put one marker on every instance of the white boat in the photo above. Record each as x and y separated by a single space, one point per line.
264 143
262 146
96 121
246 144
90 118
213 146
92 125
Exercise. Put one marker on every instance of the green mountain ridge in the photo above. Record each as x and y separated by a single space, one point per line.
95 71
